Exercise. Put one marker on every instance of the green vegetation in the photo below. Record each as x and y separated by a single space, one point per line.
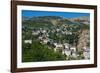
40 52
56 30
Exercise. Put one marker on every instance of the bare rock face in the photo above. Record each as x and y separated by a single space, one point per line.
54 22
83 19
84 40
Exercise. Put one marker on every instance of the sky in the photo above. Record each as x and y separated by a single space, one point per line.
32 13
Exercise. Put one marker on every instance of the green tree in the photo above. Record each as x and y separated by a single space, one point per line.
41 52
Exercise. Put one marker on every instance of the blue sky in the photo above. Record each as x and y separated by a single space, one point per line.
31 13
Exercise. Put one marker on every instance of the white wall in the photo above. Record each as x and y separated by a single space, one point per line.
5 37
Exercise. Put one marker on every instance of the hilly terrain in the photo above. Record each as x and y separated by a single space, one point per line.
51 33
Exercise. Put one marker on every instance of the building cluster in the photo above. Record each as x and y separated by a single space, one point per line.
65 48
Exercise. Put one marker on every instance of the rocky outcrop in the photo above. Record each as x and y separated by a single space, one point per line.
84 40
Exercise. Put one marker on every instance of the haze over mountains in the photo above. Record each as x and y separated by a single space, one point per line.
56 19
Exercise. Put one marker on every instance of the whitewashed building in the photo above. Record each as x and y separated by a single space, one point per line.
58 46
43 31
45 41
74 54
86 53
40 37
66 52
73 48
35 32
68 32
28 41
57 30
66 45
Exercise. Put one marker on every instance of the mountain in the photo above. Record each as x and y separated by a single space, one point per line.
82 19
55 21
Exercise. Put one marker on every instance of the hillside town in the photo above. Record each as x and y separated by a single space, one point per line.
66 39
